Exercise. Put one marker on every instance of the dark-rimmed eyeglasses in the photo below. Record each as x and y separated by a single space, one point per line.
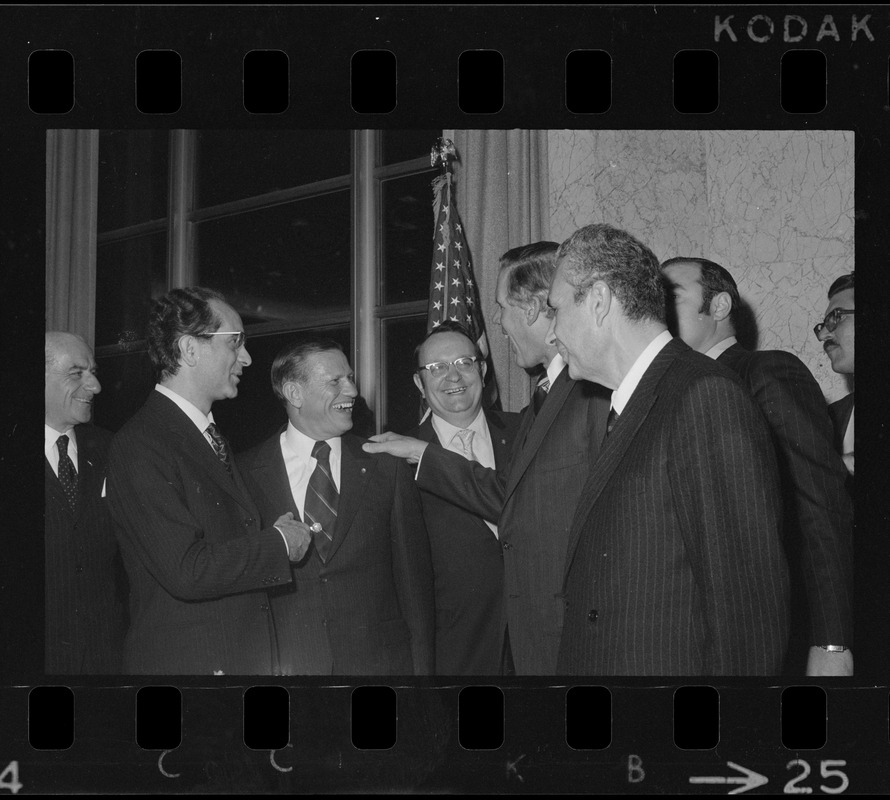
239 341
832 320
438 369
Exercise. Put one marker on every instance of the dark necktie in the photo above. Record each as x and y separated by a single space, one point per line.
611 420
220 446
67 473
321 500
540 394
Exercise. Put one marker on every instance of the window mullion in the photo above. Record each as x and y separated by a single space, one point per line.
183 179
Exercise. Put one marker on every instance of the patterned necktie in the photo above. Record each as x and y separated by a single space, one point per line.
321 500
466 442
611 420
220 446
67 473
540 394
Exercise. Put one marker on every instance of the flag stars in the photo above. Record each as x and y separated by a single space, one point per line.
456 281
440 265
437 305
458 244
441 247
439 285
457 263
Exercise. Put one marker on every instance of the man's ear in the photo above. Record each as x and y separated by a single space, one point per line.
188 350
599 300
293 393
419 384
721 306
533 310
484 368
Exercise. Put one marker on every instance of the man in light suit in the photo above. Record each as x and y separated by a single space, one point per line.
198 560
675 563
468 564
361 602
533 499
703 302
85 585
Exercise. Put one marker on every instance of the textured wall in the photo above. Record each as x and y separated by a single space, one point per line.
773 207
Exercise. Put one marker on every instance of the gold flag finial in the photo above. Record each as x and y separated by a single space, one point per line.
442 153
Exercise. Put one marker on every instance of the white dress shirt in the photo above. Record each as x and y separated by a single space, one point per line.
191 411
51 451
622 394
717 350
296 448
554 369
483 452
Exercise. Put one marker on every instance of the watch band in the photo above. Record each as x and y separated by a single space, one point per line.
832 648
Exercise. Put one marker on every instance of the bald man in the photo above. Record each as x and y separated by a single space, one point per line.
85 583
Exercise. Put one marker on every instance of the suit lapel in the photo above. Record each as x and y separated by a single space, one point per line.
356 467
270 475
537 428
498 440
616 445
91 470
192 444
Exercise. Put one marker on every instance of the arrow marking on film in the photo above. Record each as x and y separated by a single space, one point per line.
749 778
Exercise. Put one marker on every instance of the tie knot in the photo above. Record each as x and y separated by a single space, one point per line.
62 444
213 430
466 441
544 384
321 451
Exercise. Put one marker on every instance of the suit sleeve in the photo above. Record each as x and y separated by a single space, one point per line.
412 568
467 484
156 521
815 495
725 485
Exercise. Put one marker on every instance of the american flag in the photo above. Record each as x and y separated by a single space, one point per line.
453 291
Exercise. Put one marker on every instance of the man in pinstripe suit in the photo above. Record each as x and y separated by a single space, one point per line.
675 563
703 304
85 584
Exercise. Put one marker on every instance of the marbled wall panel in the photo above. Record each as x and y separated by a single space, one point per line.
774 207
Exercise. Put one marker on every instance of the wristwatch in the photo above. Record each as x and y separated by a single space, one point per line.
832 648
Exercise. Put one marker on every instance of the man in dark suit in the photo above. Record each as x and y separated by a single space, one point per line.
85 585
468 564
361 602
533 499
703 302
675 563
837 335
198 561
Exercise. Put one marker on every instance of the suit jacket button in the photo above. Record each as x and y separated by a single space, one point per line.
264 607
507 546
324 580
248 522
78 568
591 615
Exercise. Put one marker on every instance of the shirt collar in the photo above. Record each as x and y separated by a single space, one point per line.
50 435
301 444
188 408
446 431
718 349
635 374
554 368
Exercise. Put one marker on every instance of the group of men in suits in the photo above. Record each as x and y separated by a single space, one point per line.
638 518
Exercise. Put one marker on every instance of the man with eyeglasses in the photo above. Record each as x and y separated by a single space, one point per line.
533 498
703 310
198 561
836 333
468 566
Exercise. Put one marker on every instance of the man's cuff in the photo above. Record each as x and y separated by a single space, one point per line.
287 549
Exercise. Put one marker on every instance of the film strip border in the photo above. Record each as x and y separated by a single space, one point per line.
480 77
410 66
694 738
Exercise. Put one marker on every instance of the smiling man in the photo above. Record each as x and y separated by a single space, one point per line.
198 560
84 613
675 562
467 562
361 601
533 497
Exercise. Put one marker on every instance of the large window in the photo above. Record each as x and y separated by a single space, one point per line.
324 231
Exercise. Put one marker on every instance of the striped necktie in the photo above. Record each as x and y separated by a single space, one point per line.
611 420
220 446
321 500
465 436
540 394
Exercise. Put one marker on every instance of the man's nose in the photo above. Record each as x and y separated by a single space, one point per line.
824 334
92 384
350 389
244 357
